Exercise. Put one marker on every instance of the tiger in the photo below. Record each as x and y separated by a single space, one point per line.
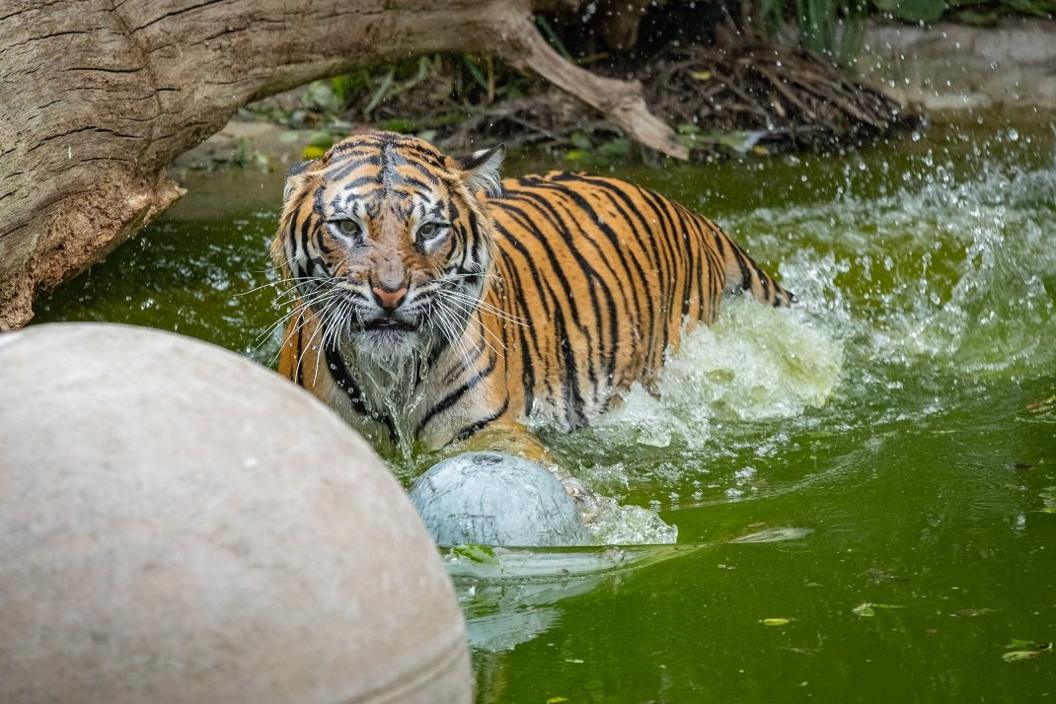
435 300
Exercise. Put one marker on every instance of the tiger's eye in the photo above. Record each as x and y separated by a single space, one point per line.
428 230
347 227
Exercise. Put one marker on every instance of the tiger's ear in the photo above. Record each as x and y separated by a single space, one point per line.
481 170
292 178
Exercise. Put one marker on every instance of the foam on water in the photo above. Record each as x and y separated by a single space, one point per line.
946 278
948 272
754 362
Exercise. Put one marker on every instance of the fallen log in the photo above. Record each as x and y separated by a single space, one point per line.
97 97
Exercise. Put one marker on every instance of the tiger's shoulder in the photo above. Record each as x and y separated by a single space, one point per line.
558 180
548 199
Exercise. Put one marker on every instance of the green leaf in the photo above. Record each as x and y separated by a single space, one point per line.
399 124
913 10
615 149
379 94
1018 655
739 142
481 554
1019 644
342 88
980 19
551 36
322 139
581 141
318 143
321 95
476 72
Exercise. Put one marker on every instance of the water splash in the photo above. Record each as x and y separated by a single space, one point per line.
754 362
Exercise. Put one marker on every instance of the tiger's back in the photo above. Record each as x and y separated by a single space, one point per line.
603 277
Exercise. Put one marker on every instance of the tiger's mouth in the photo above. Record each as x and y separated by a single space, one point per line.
391 325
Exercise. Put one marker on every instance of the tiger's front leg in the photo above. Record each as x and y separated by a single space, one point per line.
516 439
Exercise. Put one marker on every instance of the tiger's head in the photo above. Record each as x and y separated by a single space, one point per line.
385 240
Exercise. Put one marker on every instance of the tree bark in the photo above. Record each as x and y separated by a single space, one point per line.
97 97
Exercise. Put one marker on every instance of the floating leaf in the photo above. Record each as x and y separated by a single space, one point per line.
776 621
1048 499
1018 655
474 553
701 75
1020 644
868 609
1045 404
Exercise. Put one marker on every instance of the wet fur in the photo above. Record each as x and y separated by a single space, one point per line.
550 296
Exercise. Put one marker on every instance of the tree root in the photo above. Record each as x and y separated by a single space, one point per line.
621 101
787 93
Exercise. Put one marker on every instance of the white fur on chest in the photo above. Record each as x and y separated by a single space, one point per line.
388 385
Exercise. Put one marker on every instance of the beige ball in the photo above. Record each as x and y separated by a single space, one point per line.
178 524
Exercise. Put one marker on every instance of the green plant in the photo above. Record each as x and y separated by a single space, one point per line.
834 28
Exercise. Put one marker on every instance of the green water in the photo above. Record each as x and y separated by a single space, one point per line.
893 429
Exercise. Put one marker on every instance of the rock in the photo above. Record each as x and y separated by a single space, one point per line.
492 498
178 524
951 66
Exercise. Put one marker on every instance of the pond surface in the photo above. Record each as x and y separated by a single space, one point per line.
888 447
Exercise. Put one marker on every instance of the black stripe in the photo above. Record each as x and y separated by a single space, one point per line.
339 371
455 396
591 277
526 222
622 202
480 424
514 297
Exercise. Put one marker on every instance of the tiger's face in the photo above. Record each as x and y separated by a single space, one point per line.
386 241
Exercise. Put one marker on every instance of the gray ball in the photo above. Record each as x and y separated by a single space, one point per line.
180 525
491 498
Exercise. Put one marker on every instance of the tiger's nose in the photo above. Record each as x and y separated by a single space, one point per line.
389 299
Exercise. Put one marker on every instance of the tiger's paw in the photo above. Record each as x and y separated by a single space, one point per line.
515 439
586 500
